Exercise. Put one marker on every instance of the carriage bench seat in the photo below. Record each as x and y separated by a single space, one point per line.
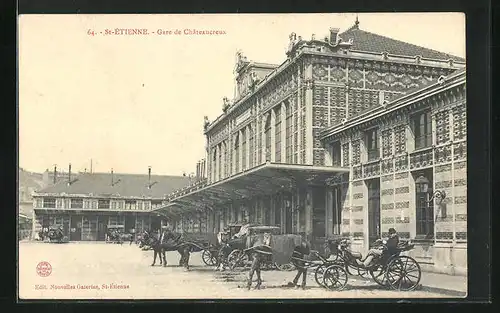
356 255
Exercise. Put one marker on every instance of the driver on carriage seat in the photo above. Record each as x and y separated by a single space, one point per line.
243 231
167 236
391 243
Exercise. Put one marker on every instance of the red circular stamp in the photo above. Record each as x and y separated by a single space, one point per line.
44 269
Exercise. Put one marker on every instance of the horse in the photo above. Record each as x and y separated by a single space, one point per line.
284 249
52 234
120 237
171 243
225 248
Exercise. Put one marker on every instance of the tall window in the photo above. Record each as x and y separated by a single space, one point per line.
422 129
373 209
277 132
49 202
156 203
250 146
336 155
372 144
130 205
214 162
243 150
268 138
289 134
219 149
77 203
237 153
425 208
227 164
103 204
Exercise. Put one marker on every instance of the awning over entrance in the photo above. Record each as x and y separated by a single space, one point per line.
265 179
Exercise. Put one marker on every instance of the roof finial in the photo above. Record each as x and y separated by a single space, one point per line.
356 23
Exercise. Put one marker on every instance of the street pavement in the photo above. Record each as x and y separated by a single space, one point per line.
111 271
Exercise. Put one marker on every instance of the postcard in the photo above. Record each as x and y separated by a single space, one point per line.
242 156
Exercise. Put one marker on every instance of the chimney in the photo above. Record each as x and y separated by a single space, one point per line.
149 177
55 173
333 35
69 174
112 178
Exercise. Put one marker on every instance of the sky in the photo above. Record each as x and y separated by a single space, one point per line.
129 101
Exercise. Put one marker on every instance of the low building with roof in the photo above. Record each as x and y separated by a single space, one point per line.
86 205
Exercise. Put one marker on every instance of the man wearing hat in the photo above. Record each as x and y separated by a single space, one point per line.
391 243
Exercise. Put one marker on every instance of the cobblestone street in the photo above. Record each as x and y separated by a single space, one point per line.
124 272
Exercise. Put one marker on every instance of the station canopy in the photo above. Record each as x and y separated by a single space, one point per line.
266 179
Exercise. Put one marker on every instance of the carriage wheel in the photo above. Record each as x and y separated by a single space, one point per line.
319 274
237 258
378 275
403 273
362 272
208 258
335 277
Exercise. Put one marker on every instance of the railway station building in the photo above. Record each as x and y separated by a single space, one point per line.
351 135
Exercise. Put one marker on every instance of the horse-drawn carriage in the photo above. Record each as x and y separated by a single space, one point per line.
238 246
116 234
184 244
390 269
54 234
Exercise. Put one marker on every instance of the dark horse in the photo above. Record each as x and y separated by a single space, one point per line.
54 234
171 242
118 237
283 248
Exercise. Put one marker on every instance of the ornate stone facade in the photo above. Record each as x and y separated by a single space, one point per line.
442 160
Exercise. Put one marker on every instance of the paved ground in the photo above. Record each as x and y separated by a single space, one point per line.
124 272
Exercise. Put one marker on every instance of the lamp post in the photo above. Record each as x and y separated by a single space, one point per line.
422 186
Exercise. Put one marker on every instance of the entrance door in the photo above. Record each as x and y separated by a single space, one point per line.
288 213
337 210
373 210
130 223
89 228
318 217
267 210
75 228
102 228
155 224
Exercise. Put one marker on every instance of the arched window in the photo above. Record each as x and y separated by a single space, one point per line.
226 160
288 133
277 132
243 150
221 171
267 135
237 153
250 146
